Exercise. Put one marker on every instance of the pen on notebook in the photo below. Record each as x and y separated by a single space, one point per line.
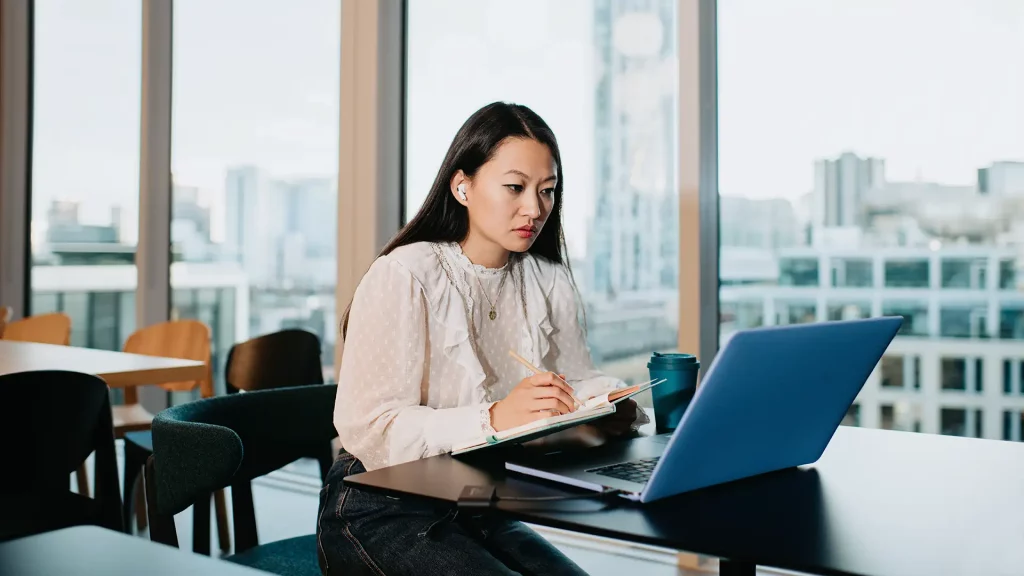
536 370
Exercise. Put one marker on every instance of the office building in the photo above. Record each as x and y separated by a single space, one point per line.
840 186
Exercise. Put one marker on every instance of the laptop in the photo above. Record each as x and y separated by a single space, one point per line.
771 399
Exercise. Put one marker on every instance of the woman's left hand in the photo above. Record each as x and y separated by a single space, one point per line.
620 422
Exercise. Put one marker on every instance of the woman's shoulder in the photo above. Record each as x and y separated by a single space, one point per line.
417 260
412 256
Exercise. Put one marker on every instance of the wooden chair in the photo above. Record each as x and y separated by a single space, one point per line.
53 328
186 339
5 316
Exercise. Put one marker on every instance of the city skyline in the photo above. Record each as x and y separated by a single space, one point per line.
293 184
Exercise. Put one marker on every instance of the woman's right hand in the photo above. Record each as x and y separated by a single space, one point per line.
536 397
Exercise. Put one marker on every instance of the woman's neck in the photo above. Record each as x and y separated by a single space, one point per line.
484 253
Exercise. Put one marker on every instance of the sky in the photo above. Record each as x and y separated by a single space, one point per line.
932 86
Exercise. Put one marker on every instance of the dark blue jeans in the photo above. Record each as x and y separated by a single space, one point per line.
360 532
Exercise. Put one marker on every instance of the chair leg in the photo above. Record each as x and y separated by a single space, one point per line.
82 477
244 514
223 530
161 527
132 475
201 525
140 508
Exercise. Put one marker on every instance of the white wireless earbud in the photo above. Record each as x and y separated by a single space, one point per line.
462 192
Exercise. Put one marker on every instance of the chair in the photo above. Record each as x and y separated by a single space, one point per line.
285 358
281 359
68 419
5 316
229 440
187 339
52 328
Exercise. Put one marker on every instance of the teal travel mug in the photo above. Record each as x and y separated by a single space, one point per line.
671 398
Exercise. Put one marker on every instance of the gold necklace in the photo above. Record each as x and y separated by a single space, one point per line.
493 313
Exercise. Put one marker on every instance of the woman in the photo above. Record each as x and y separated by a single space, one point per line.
480 270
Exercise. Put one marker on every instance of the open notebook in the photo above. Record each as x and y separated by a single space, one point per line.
592 409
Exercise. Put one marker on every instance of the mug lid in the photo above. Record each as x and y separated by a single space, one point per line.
672 359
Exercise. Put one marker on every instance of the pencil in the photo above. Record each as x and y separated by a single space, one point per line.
536 370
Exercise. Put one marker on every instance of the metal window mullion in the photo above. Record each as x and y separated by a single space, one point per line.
152 258
16 36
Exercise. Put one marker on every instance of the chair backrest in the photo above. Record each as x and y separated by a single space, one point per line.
52 328
68 419
209 444
185 339
285 358
5 316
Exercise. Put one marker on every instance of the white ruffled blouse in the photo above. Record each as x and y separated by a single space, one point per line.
423 362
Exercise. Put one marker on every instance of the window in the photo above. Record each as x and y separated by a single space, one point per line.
850 311
979 375
915 317
906 274
953 421
216 308
954 374
85 164
795 312
255 162
852 273
1007 275
963 321
852 417
1011 322
964 273
798 272
888 417
903 416
1007 376
892 371
741 315
978 420
1007 425
903 213
614 112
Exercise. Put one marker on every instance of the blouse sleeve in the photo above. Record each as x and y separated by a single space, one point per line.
379 411
570 354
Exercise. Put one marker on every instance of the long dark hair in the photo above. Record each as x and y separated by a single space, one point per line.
443 219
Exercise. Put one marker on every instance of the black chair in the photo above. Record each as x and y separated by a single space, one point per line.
68 419
227 441
281 359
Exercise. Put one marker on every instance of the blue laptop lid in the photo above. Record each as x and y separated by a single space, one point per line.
772 399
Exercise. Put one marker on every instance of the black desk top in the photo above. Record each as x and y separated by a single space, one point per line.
877 502
92 550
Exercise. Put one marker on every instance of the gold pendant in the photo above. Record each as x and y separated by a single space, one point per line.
492 315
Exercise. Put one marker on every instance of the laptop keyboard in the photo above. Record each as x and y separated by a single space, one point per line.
635 471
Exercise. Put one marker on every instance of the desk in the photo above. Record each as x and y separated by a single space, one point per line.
878 503
118 369
92 550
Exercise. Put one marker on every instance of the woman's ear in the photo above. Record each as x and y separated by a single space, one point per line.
460 186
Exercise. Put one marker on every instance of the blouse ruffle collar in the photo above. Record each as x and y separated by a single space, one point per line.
445 275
